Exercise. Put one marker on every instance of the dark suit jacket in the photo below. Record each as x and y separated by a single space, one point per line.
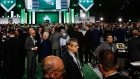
88 38
38 39
79 36
23 37
70 30
72 70
46 48
120 33
96 37
117 76
134 48
29 44
12 56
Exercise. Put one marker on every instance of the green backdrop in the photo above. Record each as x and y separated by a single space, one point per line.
42 17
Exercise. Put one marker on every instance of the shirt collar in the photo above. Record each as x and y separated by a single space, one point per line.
12 36
111 74
72 54
32 37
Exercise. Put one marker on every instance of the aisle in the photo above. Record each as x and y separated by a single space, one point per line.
89 72
38 70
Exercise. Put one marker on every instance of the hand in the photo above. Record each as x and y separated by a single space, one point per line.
35 48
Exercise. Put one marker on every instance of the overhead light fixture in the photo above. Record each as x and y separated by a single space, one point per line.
120 19
101 18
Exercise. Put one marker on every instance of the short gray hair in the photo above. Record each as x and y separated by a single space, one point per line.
63 30
69 41
46 33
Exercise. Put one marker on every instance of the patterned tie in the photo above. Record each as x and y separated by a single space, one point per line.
34 40
79 66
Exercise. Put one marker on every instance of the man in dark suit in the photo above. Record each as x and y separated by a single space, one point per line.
120 34
39 41
79 36
70 30
88 43
96 37
134 47
23 37
71 63
108 65
12 56
46 47
30 46
39 36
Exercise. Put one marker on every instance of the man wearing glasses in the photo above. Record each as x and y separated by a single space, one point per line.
71 63
53 68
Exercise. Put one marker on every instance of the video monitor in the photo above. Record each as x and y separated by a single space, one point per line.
47 17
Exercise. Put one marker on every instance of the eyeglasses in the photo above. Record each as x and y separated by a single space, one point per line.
61 71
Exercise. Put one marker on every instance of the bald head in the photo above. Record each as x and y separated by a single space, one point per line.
52 64
32 33
30 29
52 61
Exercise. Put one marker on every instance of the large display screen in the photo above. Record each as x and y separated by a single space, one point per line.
46 5
43 17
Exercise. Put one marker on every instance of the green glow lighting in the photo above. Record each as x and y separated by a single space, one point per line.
30 17
68 20
22 16
72 15
88 13
65 16
100 5
5 14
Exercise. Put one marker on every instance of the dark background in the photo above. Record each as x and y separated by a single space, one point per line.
110 10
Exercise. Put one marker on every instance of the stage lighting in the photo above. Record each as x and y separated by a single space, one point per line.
101 18
120 19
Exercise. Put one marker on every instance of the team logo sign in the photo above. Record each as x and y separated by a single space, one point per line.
86 4
47 18
47 4
51 2
8 5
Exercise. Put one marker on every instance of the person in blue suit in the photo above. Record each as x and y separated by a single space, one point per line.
46 46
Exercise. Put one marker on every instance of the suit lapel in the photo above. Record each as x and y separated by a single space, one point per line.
71 58
32 41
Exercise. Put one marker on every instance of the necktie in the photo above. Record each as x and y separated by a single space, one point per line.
79 66
33 40
110 47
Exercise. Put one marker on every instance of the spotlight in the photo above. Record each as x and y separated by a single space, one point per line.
120 19
129 20
83 15
101 18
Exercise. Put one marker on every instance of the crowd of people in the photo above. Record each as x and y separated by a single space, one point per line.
65 42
